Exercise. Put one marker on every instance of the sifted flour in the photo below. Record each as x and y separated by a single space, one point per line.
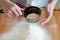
32 16
26 31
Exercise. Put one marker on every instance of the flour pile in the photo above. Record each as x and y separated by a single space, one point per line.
26 31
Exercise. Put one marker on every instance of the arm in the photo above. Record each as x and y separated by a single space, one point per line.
49 9
3 1
10 8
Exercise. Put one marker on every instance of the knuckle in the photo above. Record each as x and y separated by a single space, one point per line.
12 8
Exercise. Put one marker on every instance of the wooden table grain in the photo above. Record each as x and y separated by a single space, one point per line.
53 25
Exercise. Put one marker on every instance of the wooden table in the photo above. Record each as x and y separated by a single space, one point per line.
53 25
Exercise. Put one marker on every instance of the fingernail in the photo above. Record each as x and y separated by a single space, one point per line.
9 15
17 14
20 13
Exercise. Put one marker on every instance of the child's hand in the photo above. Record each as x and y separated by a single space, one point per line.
49 13
11 9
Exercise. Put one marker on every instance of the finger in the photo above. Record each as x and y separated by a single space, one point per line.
11 13
42 24
22 9
14 12
8 13
19 11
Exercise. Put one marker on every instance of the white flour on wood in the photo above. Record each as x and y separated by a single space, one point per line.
26 31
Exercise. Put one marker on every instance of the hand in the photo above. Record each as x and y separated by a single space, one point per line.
49 11
11 9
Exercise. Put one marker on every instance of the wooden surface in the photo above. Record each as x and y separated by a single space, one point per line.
53 25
